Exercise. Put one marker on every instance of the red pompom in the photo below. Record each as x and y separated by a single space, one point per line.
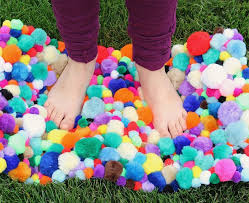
31 29
143 137
142 150
132 126
168 162
198 43
32 52
137 186
102 54
246 150
97 162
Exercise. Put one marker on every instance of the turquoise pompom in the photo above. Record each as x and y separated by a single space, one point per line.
184 178
35 143
17 104
39 71
50 125
25 43
112 140
42 99
39 35
188 154
26 92
140 158
211 56
166 146
94 91
218 137
222 151
204 162
181 61
55 148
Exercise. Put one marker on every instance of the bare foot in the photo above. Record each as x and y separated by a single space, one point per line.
166 105
65 98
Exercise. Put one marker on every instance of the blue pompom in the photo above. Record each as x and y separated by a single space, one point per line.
198 59
134 171
115 85
129 83
7 75
39 35
139 158
245 73
76 120
239 168
180 142
191 103
49 163
20 71
12 162
30 77
201 98
129 104
158 180
58 176
8 109
125 121
174 185
236 48
15 33
109 154
122 63
213 108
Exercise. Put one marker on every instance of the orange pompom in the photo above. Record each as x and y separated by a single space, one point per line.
61 46
25 30
49 68
145 114
12 82
192 120
210 123
16 129
21 173
244 67
124 95
30 85
245 88
192 61
169 62
45 180
11 53
127 51
83 132
88 172
1 146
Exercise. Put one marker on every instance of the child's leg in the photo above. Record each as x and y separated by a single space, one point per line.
151 26
78 24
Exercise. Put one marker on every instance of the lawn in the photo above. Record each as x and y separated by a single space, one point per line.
192 15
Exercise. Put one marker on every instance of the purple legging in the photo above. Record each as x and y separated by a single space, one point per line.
151 25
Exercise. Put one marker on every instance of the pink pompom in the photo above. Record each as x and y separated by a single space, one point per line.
47 40
106 81
93 80
110 50
108 100
237 92
4 29
225 169
135 92
3 83
199 91
128 77
2 44
210 92
93 126
189 164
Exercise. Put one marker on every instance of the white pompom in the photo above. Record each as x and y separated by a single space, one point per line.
232 66
244 161
194 78
50 54
228 33
204 177
176 49
34 125
227 87
239 82
213 76
114 74
38 84
68 161
7 67
245 117
127 151
130 113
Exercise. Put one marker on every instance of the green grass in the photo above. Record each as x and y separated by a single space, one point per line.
192 15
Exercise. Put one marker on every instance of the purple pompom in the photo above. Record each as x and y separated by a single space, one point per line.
3 102
186 88
99 171
229 112
151 148
236 177
103 118
121 181
202 143
197 130
7 123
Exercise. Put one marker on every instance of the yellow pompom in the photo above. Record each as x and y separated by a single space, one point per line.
230 98
152 164
107 93
35 177
1 51
25 59
224 55
56 135
185 47
153 137
196 171
126 139
7 23
117 54
3 165
205 133
138 103
102 129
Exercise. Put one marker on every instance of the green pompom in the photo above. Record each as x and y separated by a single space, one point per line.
243 101
35 160
184 178
17 104
181 61
12 40
218 137
121 69
55 148
16 24
26 92
26 42
39 71
188 154
123 161
211 56
94 91
236 160
88 147
112 140
136 140
140 123
166 146
42 99
108 107
6 136
125 59
83 122
222 151
45 144
214 179
100 79
50 125
54 42
17 142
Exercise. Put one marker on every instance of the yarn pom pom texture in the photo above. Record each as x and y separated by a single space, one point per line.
113 137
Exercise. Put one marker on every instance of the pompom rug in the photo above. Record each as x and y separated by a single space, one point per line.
114 138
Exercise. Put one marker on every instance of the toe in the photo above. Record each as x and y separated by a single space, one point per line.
58 118
184 114
183 123
46 104
178 128
67 123
53 115
166 134
172 129
50 109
